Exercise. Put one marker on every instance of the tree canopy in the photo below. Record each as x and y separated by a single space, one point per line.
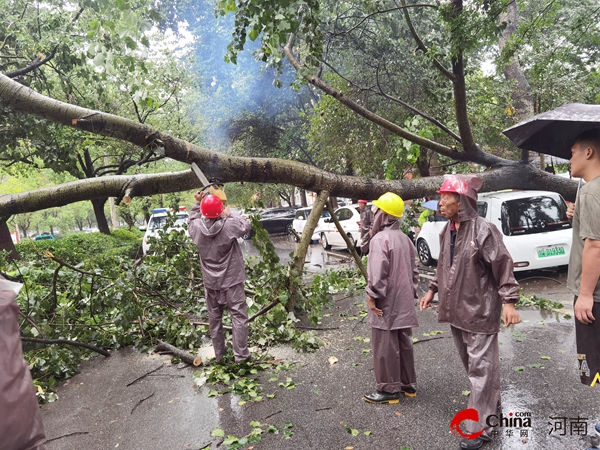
426 84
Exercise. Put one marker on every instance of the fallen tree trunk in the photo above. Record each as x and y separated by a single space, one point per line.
182 355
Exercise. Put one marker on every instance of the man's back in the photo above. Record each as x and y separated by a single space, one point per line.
220 253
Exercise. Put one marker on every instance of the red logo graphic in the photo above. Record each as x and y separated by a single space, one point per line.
465 414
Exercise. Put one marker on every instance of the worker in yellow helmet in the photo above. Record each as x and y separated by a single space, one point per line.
391 294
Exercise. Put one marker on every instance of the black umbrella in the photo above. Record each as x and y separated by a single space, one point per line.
554 132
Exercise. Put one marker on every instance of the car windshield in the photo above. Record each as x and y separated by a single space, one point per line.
534 215
159 222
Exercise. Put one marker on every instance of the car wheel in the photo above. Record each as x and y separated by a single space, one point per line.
424 252
324 242
288 228
247 236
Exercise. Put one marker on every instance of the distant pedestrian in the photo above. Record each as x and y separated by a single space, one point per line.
215 231
366 220
21 424
584 262
475 284
391 294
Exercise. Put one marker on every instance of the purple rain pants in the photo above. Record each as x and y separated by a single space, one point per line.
480 355
234 298
393 359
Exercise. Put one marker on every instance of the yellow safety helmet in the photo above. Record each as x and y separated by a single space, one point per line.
390 203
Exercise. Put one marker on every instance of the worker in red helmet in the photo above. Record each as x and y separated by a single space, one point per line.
366 220
475 284
215 231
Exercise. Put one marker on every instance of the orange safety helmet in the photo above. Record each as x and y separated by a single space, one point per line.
211 206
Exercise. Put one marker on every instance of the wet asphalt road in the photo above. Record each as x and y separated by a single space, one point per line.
164 411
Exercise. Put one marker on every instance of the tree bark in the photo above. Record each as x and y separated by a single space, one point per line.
297 265
522 95
98 205
183 355
303 201
6 242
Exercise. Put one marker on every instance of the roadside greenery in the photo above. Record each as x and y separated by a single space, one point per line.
100 290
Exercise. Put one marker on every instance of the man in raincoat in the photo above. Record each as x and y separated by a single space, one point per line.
475 285
391 294
366 220
584 262
215 231
21 426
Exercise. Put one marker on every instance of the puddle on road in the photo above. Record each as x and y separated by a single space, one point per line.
317 259
536 316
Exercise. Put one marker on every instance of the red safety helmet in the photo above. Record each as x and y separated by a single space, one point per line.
211 206
362 201
453 184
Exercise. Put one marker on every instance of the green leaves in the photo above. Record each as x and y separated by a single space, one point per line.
354 431
217 432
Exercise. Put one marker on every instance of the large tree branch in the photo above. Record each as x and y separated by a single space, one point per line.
434 121
516 175
421 45
123 187
228 168
522 95
460 96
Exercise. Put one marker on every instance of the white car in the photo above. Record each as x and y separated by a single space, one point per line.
534 226
349 217
157 221
300 222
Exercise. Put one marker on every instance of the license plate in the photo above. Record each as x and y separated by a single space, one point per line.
550 251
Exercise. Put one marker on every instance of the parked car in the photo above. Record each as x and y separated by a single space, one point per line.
275 220
534 226
44 237
301 218
157 222
349 217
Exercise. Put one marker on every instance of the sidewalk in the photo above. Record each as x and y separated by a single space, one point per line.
538 371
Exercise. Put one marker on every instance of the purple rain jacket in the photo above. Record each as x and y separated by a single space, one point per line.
393 275
21 426
220 253
480 279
